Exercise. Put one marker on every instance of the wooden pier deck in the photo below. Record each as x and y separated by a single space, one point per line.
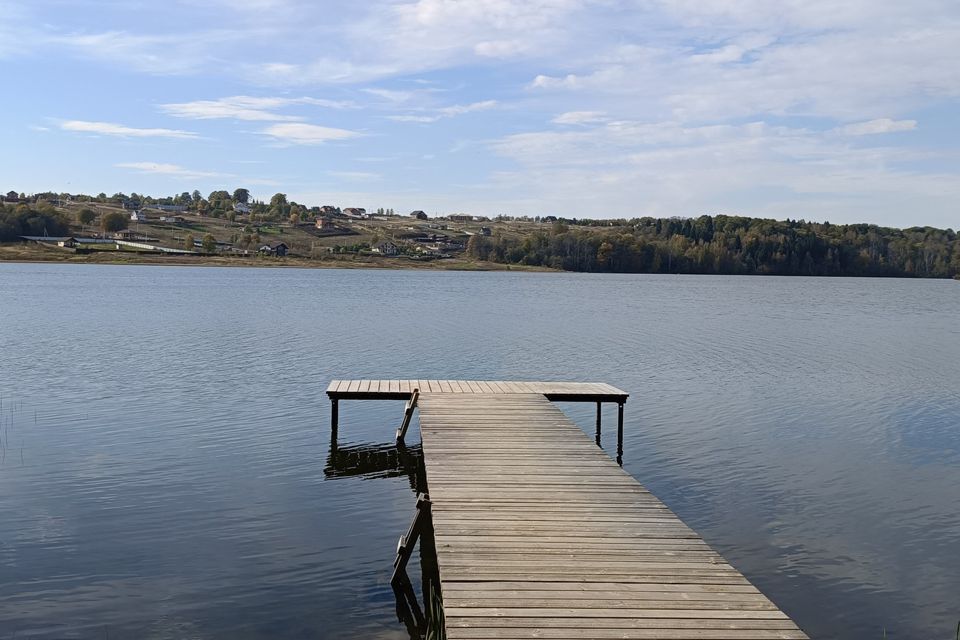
401 389
540 535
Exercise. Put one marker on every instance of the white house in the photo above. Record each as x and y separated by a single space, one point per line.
241 207
138 216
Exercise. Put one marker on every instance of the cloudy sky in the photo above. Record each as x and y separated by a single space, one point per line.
825 110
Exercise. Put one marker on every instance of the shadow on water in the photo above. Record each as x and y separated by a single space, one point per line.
380 460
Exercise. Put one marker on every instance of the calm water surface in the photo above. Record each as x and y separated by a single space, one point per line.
167 469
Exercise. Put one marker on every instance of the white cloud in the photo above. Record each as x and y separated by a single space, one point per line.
580 117
393 39
409 118
173 53
306 134
445 112
389 94
245 108
112 129
501 48
880 125
460 109
169 170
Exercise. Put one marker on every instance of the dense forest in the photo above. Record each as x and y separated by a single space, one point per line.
730 245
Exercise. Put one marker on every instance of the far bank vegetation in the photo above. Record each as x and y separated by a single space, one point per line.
729 245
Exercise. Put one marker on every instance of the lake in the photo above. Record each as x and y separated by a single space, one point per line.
166 454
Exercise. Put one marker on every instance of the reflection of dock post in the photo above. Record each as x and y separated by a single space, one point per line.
620 433
599 414
409 541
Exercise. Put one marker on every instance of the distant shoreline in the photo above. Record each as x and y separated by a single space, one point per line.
33 254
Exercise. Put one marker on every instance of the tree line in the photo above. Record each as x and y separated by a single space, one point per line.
729 245
22 220
217 204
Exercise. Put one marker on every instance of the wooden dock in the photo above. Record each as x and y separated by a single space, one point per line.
539 534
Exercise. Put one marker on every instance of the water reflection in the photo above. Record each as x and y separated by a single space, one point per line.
425 621
377 461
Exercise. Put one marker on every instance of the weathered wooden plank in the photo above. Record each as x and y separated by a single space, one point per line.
585 631
609 599
617 612
508 622
585 588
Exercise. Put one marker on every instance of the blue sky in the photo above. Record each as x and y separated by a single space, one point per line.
840 111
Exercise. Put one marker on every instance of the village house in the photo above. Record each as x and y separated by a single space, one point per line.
138 216
172 219
355 212
241 207
274 249
387 249
419 215
329 210
12 196
325 224
459 217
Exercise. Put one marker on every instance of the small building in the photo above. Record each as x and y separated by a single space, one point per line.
138 216
355 212
485 231
172 219
242 207
125 234
274 249
460 217
325 224
329 210
12 196
548 219
387 249
418 215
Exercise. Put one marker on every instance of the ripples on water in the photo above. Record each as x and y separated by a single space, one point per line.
167 469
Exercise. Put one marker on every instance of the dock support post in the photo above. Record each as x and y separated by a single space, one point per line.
599 413
334 413
620 433
407 415
408 542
